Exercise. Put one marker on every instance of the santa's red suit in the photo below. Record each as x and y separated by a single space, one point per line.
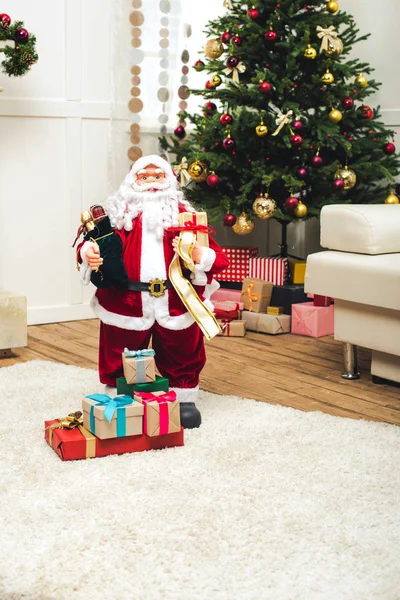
129 319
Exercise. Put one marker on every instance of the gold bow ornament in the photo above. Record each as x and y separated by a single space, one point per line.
72 421
329 39
240 68
228 4
182 171
282 119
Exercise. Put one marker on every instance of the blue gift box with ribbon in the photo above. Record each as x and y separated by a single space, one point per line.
139 365
108 417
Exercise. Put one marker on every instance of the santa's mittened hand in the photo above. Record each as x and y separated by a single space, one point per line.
93 257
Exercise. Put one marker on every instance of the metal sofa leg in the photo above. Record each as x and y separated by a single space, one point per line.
350 361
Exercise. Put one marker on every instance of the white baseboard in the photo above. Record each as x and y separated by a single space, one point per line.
57 314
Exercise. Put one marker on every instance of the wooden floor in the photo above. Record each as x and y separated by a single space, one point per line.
290 370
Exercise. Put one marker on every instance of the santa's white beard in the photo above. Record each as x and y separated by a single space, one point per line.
157 210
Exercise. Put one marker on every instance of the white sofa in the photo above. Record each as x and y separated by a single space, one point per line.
361 271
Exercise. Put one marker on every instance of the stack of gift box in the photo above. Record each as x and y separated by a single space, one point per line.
272 293
144 415
229 315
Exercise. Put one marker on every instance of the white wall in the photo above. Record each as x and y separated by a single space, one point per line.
55 155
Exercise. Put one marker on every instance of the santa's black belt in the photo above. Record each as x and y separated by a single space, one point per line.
155 287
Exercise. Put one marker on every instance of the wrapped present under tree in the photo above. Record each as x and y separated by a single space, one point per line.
108 417
139 365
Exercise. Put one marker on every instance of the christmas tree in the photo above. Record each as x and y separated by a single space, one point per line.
285 128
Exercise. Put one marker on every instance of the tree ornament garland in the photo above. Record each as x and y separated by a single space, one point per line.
198 171
243 225
348 177
264 206
20 47
213 49
392 199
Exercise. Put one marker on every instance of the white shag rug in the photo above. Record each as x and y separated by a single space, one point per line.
262 503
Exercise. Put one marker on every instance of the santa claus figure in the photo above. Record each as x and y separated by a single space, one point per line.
134 313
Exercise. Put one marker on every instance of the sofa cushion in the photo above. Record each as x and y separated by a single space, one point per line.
373 280
365 229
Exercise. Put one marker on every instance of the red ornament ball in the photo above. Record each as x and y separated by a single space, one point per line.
348 103
199 65
366 112
225 37
296 140
21 35
232 62
209 107
338 184
212 180
229 220
271 36
253 14
237 40
229 144
389 148
297 125
317 161
5 19
291 203
226 119
302 172
265 87
209 85
180 132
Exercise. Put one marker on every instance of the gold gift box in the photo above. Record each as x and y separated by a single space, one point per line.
256 294
272 324
275 310
197 218
298 270
130 369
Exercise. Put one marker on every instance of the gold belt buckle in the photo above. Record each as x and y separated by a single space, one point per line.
160 285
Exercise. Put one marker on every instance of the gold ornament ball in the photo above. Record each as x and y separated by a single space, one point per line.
264 206
362 80
327 77
334 51
392 199
335 116
348 176
332 6
300 211
215 80
261 130
198 171
310 52
243 225
213 49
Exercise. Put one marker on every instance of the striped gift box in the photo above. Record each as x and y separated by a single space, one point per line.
274 270
239 263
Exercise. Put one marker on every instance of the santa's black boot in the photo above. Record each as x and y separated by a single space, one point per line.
190 415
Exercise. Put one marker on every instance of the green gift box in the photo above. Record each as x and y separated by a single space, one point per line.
159 385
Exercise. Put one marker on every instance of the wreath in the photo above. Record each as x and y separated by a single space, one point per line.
18 47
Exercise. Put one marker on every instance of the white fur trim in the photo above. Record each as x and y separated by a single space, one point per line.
121 321
153 159
207 260
186 394
85 271
207 302
211 288
198 278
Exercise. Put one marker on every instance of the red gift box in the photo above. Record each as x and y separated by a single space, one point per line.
274 270
239 263
322 300
228 310
312 321
75 444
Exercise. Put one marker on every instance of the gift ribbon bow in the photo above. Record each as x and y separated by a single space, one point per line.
235 72
140 356
228 4
163 401
111 405
73 421
282 120
182 171
192 226
252 297
328 36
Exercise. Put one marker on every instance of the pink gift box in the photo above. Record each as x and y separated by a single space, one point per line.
312 321
224 294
